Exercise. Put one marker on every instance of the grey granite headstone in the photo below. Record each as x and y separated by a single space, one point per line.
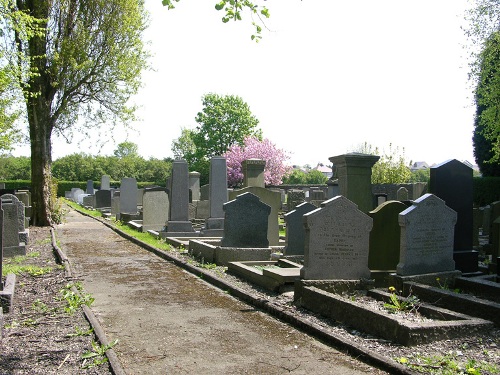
253 172
427 232
214 225
105 183
128 196
295 232
155 205
205 192
336 242
89 200
179 200
245 222
273 200
103 198
385 236
90 187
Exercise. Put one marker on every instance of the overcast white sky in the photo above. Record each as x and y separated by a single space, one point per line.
329 76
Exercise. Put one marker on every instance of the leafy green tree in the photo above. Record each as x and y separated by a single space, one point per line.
224 121
233 10
486 137
315 177
15 168
87 67
184 147
295 177
23 27
420 175
391 168
126 149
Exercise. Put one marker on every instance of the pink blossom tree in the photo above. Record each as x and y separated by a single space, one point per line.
252 148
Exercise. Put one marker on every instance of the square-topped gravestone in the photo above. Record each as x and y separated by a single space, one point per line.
103 198
295 232
451 181
336 242
385 236
128 196
245 222
427 232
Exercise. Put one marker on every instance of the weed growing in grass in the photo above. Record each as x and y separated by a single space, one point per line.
398 304
74 300
447 364
81 332
444 285
15 265
39 306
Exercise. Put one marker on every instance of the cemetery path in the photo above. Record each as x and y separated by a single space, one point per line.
168 321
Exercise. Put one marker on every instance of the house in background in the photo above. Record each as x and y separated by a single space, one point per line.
327 171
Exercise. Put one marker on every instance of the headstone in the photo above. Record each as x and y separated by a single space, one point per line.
253 172
76 193
105 183
25 198
295 232
128 196
103 198
427 232
294 198
115 204
402 194
90 187
204 192
245 222
140 194
155 208
451 181
354 172
273 200
21 227
11 244
385 236
214 225
89 200
194 185
381 198
336 242
179 200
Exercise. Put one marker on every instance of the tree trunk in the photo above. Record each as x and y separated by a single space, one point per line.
39 102
41 178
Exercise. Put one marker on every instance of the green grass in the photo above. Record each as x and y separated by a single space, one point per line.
448 365
16 266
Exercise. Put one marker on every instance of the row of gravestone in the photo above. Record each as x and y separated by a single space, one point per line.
338 241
